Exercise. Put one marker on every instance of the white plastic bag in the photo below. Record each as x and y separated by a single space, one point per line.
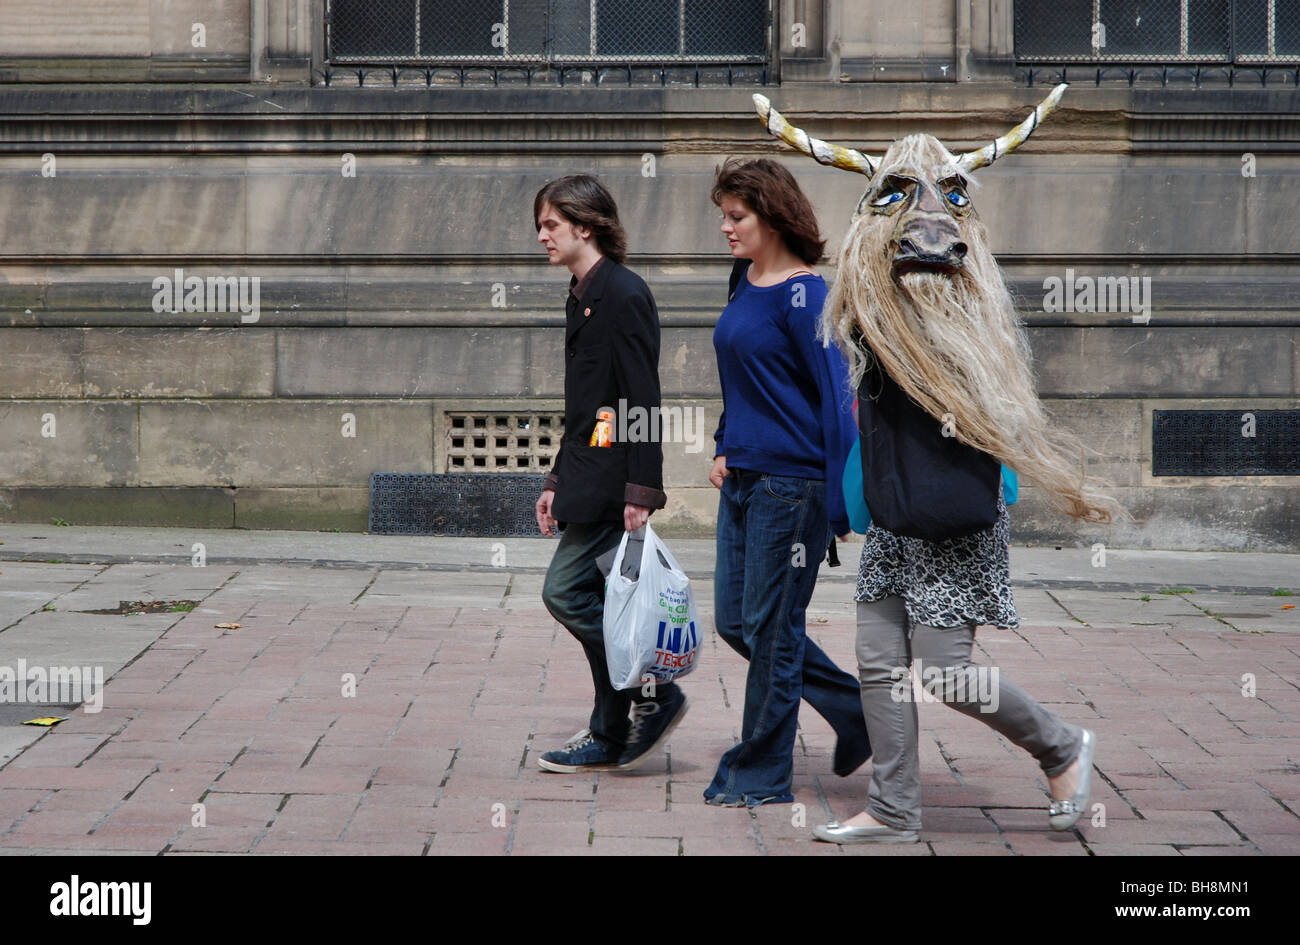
650 623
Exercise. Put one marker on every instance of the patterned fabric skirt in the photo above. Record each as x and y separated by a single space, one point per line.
945 583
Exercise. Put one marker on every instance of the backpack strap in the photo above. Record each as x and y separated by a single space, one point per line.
737 273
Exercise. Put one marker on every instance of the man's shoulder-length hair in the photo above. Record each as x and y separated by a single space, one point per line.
583 200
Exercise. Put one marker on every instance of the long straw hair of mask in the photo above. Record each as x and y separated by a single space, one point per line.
955 345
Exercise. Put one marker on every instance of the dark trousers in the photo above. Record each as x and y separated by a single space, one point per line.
574 593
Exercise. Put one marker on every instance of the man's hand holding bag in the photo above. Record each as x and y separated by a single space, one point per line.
651 624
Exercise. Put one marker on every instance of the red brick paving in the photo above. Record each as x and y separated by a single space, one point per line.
436 751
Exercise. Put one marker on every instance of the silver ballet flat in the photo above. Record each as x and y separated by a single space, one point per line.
1064 814
842 833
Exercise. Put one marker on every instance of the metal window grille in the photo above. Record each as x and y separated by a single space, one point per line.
547 31
1157 31
507 442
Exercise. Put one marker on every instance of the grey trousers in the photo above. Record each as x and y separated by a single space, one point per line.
885 651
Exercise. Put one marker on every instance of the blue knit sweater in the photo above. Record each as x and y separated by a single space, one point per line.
787 406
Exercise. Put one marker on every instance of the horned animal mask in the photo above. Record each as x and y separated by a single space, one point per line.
850 159
918 291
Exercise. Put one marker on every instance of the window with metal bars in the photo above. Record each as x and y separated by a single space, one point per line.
542 31
1189 31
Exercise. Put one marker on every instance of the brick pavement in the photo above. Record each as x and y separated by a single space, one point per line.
436 751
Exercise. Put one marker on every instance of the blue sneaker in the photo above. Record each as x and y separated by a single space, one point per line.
579 754
652 723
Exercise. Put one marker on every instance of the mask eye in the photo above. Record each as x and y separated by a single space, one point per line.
958 199
888 197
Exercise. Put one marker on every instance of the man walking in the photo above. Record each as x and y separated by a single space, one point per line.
596 493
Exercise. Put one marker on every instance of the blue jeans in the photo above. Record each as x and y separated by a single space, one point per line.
772 535
574 593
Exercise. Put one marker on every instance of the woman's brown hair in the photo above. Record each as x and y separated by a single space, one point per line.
770 190
583 200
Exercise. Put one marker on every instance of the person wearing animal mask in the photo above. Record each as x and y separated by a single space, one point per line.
946 395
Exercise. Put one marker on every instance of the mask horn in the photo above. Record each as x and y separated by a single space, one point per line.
846 159
1013 138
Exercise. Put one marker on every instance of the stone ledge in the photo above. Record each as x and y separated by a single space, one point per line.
1231 518
327 508
451 291
200 507
1243 517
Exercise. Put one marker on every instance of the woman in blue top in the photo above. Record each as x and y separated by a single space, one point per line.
787 426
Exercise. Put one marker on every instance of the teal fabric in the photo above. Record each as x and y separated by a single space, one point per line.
1010 485
860 516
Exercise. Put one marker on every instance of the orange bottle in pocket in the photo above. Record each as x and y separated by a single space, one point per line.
603 434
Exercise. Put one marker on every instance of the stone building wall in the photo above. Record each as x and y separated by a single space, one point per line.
413 291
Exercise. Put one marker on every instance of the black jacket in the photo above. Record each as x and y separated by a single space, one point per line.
917 482
611 354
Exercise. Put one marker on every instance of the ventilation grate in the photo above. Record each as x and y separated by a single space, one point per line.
503 442
1225 443
484 506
